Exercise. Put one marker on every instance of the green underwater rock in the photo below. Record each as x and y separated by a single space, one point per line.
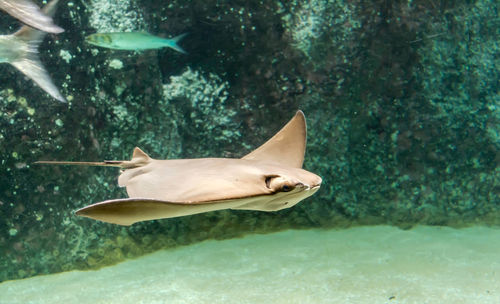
115 15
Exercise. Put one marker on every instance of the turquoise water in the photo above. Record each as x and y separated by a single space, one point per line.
373 264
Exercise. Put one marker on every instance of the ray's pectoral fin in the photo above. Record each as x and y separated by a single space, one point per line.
128 211
287 147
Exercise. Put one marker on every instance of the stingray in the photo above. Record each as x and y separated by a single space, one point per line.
270 178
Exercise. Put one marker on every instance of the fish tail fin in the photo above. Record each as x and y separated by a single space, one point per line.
173 43
29 63
107 163
32 35
29 13
31 66
50 10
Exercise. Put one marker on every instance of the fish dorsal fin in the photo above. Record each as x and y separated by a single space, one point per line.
140 156
139 159
286 147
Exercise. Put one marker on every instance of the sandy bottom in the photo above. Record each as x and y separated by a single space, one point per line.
359 265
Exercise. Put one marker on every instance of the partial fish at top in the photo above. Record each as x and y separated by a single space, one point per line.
134 41
21 50
30 14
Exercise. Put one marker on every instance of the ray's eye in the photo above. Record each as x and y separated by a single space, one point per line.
278 184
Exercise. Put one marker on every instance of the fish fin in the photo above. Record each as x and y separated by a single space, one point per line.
127 211
139 159
30 14
173 43
140 156
31 66
286 147
32 35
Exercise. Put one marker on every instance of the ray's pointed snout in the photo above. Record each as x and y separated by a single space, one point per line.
318 182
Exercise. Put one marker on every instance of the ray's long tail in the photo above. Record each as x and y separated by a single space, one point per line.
106 163
139 159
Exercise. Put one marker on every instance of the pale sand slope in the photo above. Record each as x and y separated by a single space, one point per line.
359 265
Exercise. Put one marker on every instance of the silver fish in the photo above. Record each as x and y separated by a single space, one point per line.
21 50
30 14
134 41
